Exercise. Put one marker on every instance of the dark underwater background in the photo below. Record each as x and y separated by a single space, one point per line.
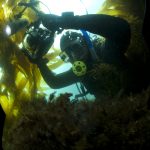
117 122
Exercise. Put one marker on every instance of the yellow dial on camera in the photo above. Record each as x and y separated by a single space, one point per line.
79 68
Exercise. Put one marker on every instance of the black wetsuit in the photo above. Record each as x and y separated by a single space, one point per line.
116 32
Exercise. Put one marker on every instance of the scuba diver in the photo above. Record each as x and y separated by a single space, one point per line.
84 53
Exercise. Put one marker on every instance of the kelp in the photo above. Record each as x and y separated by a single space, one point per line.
20 77
126 9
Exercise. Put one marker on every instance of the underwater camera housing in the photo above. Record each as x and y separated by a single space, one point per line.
37 38
37 41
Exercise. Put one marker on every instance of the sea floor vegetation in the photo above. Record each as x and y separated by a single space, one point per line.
118 123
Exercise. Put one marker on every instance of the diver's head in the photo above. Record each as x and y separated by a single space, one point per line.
74 46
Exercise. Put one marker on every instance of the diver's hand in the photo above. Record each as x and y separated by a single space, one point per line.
34 59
